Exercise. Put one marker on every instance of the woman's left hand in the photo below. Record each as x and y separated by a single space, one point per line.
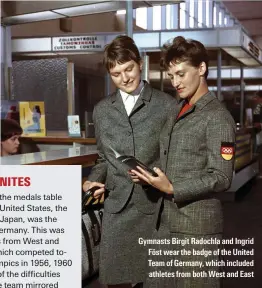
160 182
136 179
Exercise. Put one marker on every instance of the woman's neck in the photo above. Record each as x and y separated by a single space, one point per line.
4 153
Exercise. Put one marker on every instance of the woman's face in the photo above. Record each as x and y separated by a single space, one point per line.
10 146
126 76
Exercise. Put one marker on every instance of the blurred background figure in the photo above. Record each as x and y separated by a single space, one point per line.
257 107
13 113
36 115
10 133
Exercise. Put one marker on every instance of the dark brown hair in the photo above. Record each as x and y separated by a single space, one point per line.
121 50
9 128
182 50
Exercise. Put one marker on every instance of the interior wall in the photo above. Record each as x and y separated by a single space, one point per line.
43 80
2 63
89 90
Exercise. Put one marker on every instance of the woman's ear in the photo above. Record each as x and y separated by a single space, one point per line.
141 65
202 68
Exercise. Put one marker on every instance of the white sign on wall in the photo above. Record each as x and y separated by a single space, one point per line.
78 43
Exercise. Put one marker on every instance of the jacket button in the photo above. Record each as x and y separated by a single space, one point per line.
165 152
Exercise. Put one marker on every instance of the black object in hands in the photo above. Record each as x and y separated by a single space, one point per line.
132 162
87 195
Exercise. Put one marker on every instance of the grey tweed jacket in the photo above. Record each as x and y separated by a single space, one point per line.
191 158
137 135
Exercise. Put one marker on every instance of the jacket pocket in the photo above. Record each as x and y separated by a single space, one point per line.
146 199
199 217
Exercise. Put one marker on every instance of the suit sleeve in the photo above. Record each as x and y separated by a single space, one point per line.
99 171
218 175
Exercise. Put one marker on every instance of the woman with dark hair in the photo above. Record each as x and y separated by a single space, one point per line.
197 160
10 133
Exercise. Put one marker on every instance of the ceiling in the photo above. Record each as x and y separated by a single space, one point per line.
249 14
19 12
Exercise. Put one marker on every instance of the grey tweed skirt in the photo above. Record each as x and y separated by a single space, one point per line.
122 258
178 281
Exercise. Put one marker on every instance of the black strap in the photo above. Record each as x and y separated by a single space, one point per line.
100 213
88 248
95 227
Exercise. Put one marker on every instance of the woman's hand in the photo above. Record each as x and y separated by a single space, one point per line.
136 179
160 182
100 191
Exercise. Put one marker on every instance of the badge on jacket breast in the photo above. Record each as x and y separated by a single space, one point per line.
227 150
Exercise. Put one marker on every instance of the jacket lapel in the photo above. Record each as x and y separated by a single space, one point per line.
173 116
143 99
118 103
191 109
200 104
204 100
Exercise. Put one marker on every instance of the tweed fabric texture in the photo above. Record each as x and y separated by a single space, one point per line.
136 135
180 276
122 258
191 158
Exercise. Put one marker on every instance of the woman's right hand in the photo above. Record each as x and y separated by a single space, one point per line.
100 190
